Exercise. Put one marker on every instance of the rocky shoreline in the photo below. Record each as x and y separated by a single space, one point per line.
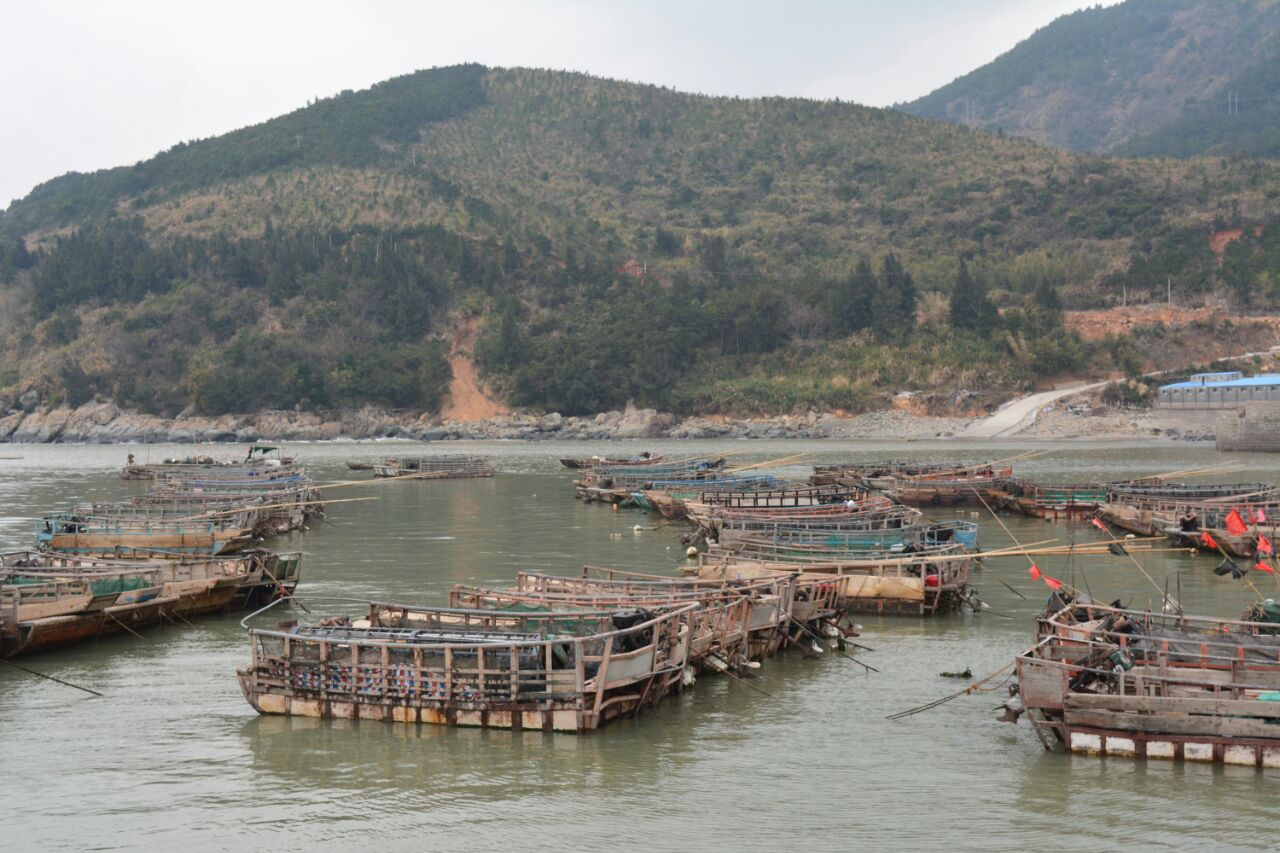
105 423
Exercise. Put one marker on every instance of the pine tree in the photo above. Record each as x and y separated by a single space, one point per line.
893 304
970 307
852 308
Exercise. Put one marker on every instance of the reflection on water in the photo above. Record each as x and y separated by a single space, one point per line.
172 756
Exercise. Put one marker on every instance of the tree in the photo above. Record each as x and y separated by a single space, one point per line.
852 308
893 302
971 308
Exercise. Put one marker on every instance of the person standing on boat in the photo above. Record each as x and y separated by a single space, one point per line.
1189 522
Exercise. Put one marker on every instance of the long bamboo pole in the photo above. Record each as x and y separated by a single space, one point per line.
255 508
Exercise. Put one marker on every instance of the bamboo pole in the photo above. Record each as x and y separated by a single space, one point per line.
1226 499
255 508
770 463
1206 471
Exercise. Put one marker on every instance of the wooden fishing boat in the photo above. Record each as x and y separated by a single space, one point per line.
1054 500
238 514
785 496
907 539
1130 684
1145 491
41 613
931 582
79 534
645 458
725 528
718 629
616 484
260 459
123 598
815 609
881 474
708 518
668 497
970 490
443 467
769 600
270 513
553 671
261 575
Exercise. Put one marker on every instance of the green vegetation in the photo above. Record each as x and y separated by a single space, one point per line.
616 241
1144 77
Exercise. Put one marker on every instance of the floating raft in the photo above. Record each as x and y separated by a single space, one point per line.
1125 683
552 671
451 467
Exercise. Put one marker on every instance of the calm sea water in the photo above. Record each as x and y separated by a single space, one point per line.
173 758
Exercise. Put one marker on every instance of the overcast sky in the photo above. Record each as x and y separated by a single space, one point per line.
89 85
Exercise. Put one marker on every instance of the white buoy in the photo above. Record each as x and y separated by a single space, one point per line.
637 528
691 552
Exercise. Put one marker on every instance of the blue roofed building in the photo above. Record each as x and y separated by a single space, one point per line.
1219 391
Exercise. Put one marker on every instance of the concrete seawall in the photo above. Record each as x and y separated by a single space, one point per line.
1254 427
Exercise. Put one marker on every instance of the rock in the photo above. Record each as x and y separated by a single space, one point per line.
643 423
551 422
41 427
104 413
9 423
29 400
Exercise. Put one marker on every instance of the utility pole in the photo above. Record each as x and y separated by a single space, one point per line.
1168 283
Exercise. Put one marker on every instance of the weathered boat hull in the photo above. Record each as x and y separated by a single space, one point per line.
476 677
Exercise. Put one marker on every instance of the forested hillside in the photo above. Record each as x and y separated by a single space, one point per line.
1178 78
616 241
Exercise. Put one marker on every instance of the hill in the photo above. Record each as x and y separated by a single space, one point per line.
1147 77
614 241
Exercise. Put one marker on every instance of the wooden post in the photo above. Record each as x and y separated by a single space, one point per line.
601 678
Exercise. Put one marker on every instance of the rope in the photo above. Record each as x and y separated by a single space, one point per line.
50 677
975 687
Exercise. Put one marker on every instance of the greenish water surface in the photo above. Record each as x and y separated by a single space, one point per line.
173 758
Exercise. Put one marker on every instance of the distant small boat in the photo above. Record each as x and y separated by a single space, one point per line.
645 458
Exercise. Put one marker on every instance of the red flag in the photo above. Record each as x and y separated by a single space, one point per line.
1052 583
1097 522
1208 541
1263 567
1034 571
1235 524
1260 516
1264 545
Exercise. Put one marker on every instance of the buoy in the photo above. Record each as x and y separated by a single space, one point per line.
637 528
615 507
691 552
1130 536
